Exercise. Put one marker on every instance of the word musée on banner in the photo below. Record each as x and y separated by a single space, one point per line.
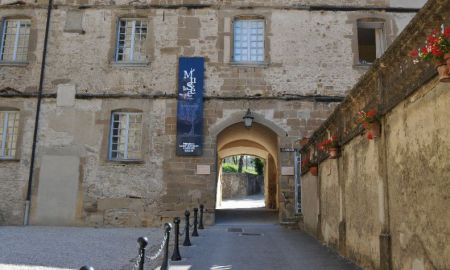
190 106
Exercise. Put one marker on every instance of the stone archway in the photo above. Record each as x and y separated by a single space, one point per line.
260 141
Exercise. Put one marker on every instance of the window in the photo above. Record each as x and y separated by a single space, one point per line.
15 37
371 41
248 41
126 136
9 124
131 36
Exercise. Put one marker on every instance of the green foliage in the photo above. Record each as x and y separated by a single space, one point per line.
233 168
259 166
229 168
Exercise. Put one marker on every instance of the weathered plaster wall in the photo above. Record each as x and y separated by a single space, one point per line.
329 204
310 203
418 148
360 175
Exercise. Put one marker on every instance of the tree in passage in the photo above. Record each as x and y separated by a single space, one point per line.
259 166
241 163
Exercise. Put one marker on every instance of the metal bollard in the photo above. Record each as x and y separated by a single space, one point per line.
87 268
165 264
195 232
200 226
176 250
142 241
187 240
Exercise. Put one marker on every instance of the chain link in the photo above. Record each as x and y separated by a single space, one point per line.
154 257
136 264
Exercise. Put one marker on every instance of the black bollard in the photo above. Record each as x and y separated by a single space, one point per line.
176 250
187 240
195 232
165 264
200 226
87 268
142 241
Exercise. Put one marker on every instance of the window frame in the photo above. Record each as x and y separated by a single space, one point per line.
132 40
16 41
4 134
111 130
233 47
375 24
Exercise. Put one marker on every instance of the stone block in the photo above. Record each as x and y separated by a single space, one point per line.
65 95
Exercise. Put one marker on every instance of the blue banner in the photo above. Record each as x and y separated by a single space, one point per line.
190 106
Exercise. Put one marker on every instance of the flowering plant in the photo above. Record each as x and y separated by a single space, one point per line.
329 143
366 118
436 46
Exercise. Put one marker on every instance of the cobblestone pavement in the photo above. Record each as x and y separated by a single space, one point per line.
61 248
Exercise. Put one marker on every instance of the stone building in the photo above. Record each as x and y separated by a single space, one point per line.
105 148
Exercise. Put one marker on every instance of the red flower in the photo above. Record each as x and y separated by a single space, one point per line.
371 113
369 136
447 32
432 39
436 51
424 50
414 53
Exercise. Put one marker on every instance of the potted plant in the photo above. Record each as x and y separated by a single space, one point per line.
314 166
370 120
437 50
330 145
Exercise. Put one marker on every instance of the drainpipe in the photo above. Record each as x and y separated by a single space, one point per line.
36 122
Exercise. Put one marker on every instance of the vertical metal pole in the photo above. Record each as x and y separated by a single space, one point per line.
195 232
176 250
165 264
187 240
142 241
200 226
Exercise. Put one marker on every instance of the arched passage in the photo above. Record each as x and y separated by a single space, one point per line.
259 141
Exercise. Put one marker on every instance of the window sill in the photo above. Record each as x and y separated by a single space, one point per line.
125 162
250 64
9 160
14 64
130 65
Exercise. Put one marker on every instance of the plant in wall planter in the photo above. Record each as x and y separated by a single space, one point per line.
437 50
370 120
314 165
331 146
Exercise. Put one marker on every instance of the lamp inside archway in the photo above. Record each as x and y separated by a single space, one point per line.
248 119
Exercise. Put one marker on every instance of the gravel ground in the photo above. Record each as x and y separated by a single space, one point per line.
61 248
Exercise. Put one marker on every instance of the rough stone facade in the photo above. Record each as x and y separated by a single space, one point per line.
309 66
235 185
382 203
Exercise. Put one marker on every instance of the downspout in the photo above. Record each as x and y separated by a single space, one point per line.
36 122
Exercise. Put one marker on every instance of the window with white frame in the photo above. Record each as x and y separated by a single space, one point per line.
15 36
371 40
9 125
126 136
248 36
131 36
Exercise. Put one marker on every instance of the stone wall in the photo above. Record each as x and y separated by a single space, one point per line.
291 95
235 185
382 202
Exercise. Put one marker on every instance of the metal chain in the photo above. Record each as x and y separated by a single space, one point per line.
136 264
154 257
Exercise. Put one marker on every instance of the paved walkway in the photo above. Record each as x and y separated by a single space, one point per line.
251 201
259 246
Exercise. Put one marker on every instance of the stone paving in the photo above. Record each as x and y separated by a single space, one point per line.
262 245
256 243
